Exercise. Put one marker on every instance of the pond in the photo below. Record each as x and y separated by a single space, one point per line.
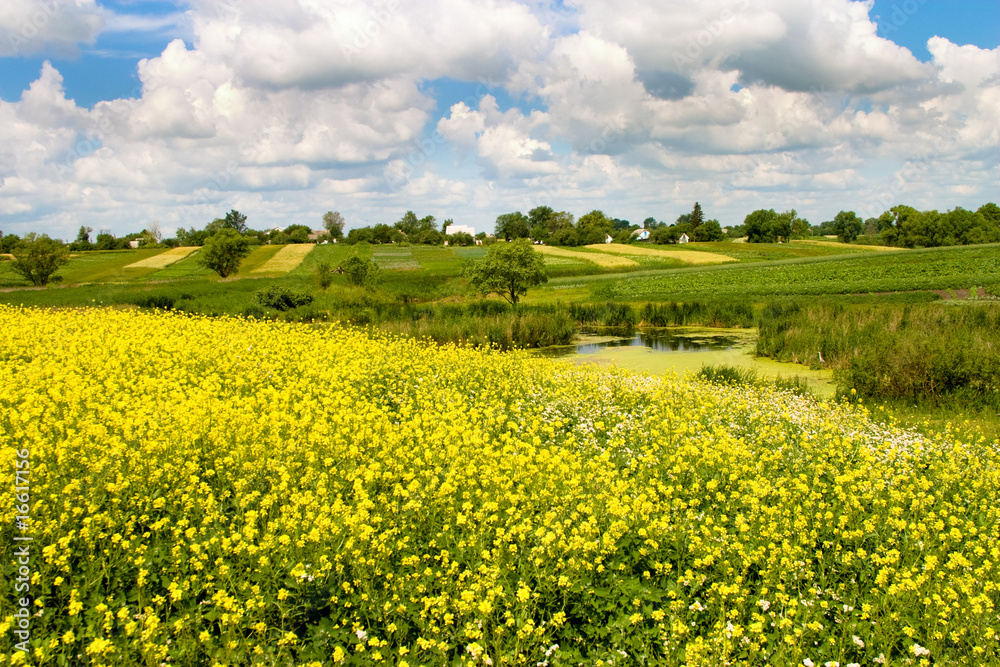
682 350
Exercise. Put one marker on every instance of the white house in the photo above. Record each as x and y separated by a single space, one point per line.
641 234
454 229
607 238
683 239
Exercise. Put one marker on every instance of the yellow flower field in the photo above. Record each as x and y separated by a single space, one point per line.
693 257
237 492
286 259
606 261
164 259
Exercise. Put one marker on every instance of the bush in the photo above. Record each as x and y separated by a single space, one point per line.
362 272
324 274
282 298
161 301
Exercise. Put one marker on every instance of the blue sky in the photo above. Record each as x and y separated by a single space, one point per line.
377 108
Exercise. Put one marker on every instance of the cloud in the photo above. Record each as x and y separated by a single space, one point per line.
316 45
799 45
29 27
502 142
292 109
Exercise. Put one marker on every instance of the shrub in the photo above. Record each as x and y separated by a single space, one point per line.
282 298
161 301
324 274
362 272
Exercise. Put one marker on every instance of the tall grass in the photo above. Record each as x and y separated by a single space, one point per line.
917 352
669 314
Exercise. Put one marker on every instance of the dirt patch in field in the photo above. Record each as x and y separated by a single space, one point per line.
960 293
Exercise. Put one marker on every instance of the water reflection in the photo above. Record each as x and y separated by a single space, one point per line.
681 339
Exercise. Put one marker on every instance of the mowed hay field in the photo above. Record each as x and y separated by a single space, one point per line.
248 493
692 257
838 244
604 261
286 259
164 259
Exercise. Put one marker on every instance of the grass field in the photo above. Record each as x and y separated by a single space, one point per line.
224 491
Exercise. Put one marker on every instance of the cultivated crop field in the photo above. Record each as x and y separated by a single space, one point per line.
690 257
226 491
163 259
606 261
936 268
286 259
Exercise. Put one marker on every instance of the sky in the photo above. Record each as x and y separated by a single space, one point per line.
115 115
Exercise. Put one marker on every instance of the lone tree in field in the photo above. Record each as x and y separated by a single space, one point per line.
848 226
236 221
362 272
508 269
224 251
38 258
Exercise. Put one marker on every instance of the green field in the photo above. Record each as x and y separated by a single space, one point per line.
912 270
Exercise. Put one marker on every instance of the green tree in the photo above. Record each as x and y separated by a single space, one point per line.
566 236
82 241
333 223
991 212
847 226
8 242
801 229
297 234
593 227
761 226
107 241
461 238
697 216
508 269
511 226
236 221
710 230
408 224
224 252
362 272
38 258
